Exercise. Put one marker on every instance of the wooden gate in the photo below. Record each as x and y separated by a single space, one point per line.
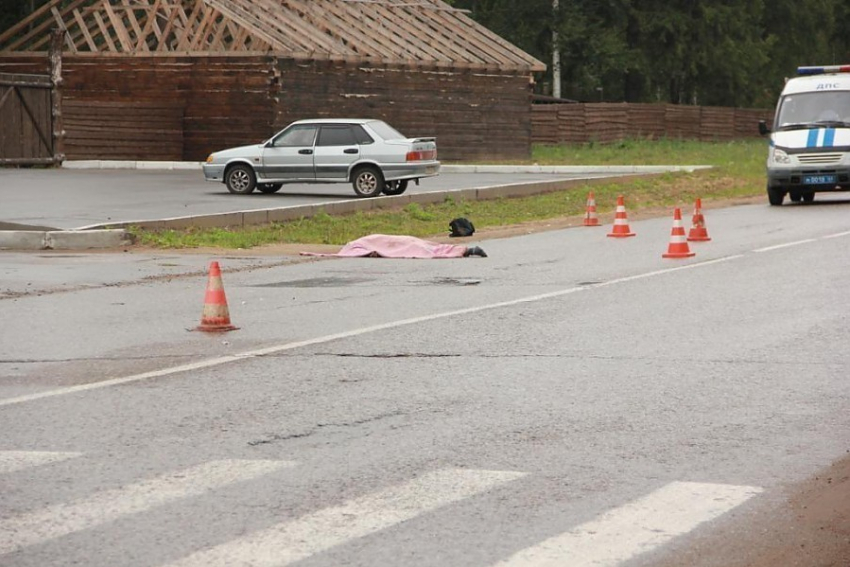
26 122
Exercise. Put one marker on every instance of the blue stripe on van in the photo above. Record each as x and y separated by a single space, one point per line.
829 137
812 142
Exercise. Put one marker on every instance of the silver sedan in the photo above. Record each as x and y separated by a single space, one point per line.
370 154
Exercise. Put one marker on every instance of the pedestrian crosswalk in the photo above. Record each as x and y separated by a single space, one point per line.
636 527
16 460
614 537
63 519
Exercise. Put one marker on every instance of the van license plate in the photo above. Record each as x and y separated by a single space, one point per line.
819 179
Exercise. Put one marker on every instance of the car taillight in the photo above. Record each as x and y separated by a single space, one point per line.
422 155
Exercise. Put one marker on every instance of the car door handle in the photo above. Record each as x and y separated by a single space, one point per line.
351 151
305 152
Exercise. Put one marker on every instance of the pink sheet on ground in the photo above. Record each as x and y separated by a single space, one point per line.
388 246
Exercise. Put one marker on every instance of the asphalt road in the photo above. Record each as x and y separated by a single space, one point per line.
570 400
76 198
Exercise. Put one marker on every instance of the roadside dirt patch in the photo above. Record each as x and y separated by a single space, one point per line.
809 527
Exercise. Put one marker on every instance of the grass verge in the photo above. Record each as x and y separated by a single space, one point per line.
738 172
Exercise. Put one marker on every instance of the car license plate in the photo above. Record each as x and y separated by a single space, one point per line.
819 179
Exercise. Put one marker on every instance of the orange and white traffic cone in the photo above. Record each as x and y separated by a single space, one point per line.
590 218
621 222
678 247
216 315
698 232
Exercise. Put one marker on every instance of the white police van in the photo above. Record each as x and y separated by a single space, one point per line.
810 140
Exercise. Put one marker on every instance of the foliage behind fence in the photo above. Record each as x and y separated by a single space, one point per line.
610 122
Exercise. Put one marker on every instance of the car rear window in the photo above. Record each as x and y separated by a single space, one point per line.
385 131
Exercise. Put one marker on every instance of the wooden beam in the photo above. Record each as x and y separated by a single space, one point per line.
14 30
134 23
186 38
151 26
163 41
118 28
41 29
104 30
85 30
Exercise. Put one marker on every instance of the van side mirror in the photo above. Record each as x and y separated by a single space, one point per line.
763 129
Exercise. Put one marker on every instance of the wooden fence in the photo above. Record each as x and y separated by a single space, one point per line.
610 122
124 130
26 135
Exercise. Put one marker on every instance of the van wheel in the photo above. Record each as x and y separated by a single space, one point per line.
775 196
795 196
809 197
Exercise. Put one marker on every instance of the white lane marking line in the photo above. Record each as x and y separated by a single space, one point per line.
63 519
17 460
298 539
837 235
638 527
344 335
786 245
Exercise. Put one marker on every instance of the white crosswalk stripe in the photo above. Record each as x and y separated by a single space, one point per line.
611 539
635 528
11 461
63 519
288 542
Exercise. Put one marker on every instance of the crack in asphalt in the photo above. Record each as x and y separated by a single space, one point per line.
11 294
320 426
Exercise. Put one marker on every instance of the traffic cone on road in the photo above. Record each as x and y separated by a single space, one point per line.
216 315
590 218
698 232
678 247
621 222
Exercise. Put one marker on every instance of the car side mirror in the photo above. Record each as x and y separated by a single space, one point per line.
763 129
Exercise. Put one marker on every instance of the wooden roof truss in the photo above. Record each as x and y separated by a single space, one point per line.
408 32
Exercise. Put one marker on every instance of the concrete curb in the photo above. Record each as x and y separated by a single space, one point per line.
282 214
62 239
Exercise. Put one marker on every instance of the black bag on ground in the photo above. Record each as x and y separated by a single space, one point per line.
461 227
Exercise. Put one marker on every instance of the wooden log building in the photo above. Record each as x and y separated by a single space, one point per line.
177 79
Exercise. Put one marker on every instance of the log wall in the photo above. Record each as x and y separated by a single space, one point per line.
474 115
608 122
161 108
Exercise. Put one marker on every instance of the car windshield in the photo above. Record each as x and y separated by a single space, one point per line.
385 131
804 110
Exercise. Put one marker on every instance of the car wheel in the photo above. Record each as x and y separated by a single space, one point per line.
795 196
368 182
269 188
240 179
775 196
808 197
395 187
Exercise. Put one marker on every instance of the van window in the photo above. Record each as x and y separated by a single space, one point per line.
812 108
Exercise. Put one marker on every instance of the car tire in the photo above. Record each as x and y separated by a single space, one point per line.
395 187
775 196
240 179
367 182
795 196
269 188
809 197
